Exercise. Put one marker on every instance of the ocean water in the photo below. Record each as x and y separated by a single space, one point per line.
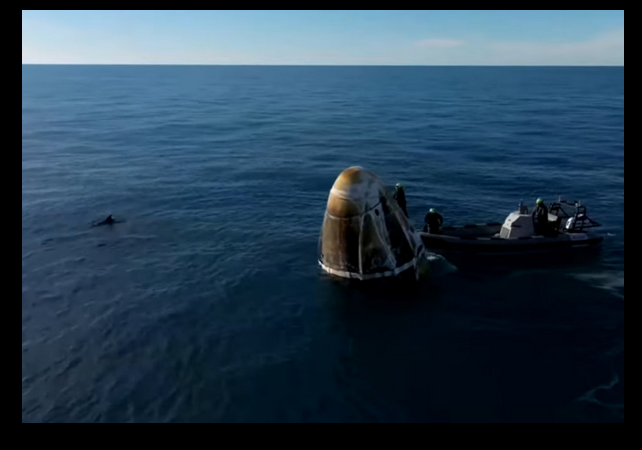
207 305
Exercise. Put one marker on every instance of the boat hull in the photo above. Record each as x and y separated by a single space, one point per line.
484 239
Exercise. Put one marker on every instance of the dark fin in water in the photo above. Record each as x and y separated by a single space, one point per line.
107 221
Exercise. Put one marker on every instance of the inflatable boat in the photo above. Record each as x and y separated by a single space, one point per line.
568 227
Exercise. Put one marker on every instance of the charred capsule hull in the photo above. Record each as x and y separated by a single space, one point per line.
365 234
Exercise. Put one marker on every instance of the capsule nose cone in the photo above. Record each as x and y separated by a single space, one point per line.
355 191
365 234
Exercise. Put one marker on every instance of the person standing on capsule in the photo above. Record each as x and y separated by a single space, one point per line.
400 196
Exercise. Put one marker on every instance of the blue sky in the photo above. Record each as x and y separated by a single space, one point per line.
324 37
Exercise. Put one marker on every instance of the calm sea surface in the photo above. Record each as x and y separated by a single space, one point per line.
207 304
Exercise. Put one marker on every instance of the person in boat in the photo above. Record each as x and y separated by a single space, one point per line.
541 217
400 196
434 221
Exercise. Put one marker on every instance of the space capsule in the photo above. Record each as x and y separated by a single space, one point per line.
365 234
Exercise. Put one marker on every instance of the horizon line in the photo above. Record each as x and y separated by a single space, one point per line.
319 65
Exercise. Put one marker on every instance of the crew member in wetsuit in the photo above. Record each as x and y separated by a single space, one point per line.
541 217
400 196
434 221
